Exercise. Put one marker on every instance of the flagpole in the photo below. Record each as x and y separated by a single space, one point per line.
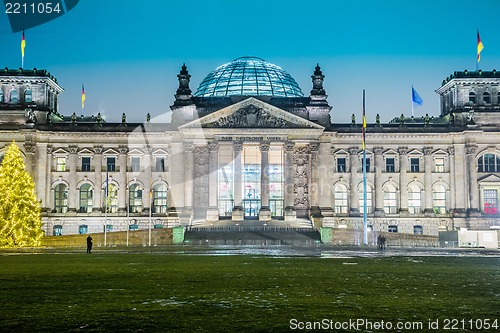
106 206
412 101
365 222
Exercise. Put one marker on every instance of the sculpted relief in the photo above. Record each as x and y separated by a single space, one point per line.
253 117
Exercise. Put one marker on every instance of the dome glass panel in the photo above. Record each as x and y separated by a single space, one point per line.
248 76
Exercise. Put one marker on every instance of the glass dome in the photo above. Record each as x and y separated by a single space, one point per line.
248 76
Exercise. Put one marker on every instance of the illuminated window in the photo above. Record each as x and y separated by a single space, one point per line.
135 198
390 205
414 199
418 230
28 96
439 164
160 199
490 202
61 198
14 96
110 200
369 202
83 229
61 164
86 198
340 200
439 199
57 230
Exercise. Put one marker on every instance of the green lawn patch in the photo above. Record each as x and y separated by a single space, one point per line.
166 292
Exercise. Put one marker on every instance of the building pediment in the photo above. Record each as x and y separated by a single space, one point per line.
491 178
390 152
252 113
85 152
440 152
110 151
135 152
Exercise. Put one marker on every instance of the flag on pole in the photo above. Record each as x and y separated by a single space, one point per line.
83 96
23 45
415 97
364 123
480 46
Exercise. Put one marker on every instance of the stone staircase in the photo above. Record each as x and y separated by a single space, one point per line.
227 232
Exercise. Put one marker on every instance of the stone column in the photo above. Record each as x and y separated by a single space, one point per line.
265 212
97 202
429 207
147 180
188 180
315 183
122 179
213 160
72 190
403 180
30 149
41 180
461 180
452 191
473 187
379 191
354 195
290 214
238 213
48 189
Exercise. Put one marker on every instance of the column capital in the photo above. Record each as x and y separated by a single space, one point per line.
470 149
289 145
201 150
188 147
314 146
123 150
427 150
237 146
353 150
403 150
98 149
264 147
451 150
378 150
73 149
49 149
30 148
148 150
213 146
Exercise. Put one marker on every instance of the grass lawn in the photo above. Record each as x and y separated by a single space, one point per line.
167 292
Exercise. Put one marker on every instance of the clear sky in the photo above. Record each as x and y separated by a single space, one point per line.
128 52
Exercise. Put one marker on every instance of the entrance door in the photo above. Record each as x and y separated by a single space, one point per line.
251 181
251 208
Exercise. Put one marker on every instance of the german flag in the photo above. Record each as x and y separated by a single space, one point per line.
23 45
363 131
83 96
480 46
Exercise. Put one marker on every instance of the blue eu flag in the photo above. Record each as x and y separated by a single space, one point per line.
415 97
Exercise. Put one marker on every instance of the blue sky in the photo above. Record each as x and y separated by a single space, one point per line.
128 53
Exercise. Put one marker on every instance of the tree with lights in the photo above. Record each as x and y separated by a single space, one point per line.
20 219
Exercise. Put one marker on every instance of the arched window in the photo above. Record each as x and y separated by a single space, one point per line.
414 199
1 95
111 204
340 199
488 163
439 199
369 202
390 204
86 198
61 198
28 96
486 97
14 96
472 97
135 199
160 199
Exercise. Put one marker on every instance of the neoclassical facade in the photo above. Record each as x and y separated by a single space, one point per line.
249 146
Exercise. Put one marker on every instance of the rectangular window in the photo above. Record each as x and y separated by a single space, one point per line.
160 164
489 163
390 203
61 164
111 164
341 166
85 163
439 162
414 165
490 201
418 230
136 164
392 228
390 165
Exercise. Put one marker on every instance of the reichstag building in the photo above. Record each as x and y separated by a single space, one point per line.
250 147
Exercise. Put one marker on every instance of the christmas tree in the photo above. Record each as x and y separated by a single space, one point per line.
20 219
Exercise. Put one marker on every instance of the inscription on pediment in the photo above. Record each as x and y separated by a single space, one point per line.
251 116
